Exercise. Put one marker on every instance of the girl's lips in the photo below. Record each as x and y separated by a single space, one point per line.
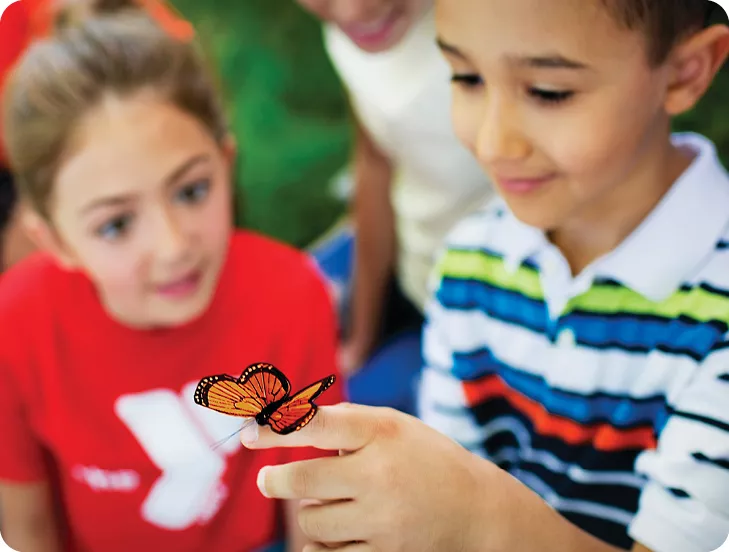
182 287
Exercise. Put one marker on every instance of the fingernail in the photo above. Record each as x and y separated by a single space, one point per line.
249 434
261 480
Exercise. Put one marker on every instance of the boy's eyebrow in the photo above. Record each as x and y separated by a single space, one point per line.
550 61
175 175
449 48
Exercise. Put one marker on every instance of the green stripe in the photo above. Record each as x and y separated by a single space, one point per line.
697 303
490 269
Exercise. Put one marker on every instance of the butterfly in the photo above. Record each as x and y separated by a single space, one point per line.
262 393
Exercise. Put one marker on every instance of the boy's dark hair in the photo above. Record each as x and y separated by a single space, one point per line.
664 22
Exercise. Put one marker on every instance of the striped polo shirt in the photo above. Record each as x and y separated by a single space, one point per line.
606 393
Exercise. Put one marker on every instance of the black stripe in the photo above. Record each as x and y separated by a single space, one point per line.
679 493
722 245
720 346
724 377
703 419
722 463
585 456
714 290
623 497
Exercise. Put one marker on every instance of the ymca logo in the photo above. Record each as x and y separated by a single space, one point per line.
177 436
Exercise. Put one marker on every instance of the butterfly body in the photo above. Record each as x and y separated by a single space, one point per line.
262 393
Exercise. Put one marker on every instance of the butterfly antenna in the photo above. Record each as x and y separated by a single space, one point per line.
220 443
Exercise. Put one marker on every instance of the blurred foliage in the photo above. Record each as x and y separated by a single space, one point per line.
288 112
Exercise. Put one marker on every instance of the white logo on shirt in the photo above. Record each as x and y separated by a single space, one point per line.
106 480
177 436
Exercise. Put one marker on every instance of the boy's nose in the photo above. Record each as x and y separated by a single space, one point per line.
500 136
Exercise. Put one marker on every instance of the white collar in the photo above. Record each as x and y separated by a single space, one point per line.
674 238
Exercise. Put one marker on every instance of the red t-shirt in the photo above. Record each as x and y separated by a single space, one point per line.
112 407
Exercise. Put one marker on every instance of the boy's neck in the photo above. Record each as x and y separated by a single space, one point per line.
603 227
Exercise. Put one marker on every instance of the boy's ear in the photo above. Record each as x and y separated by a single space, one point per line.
45 237
693 65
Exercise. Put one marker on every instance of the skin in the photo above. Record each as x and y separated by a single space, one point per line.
142 199
605 157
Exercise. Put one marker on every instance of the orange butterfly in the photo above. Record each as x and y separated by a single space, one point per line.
262 392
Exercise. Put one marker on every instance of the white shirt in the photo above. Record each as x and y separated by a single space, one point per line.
402 97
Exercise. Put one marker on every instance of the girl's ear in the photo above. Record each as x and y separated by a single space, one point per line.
230 151
45 237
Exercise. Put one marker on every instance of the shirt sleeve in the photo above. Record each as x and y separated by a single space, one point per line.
684 506
311 346
21 457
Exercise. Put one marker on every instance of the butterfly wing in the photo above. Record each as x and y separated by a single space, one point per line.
297 411
259 385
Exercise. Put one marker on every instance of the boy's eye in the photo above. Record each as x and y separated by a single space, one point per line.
467 80
551 96
115 228
193 193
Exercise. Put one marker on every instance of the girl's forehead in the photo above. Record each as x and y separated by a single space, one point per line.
128 146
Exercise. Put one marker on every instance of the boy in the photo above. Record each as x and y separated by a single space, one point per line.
578 336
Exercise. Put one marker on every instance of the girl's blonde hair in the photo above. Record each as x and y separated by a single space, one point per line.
61 79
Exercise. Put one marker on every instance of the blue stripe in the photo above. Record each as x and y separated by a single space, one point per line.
502 304
622 412
630 332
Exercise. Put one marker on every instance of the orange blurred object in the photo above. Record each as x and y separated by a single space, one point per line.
28 20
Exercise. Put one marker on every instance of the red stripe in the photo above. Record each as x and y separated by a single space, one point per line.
601 436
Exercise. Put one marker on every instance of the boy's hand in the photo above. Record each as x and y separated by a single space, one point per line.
397 484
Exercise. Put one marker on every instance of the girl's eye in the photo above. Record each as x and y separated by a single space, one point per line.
115 228
551 96
193 193
467 80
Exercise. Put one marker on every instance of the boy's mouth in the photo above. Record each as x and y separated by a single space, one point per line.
182 287
374 33
523 185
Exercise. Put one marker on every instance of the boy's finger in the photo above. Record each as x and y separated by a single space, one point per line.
330 478
340 427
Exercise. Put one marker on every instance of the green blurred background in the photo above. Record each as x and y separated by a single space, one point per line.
290 115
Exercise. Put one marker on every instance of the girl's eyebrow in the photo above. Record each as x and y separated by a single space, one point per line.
110 201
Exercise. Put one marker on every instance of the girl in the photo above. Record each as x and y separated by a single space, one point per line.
23 22
119 145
